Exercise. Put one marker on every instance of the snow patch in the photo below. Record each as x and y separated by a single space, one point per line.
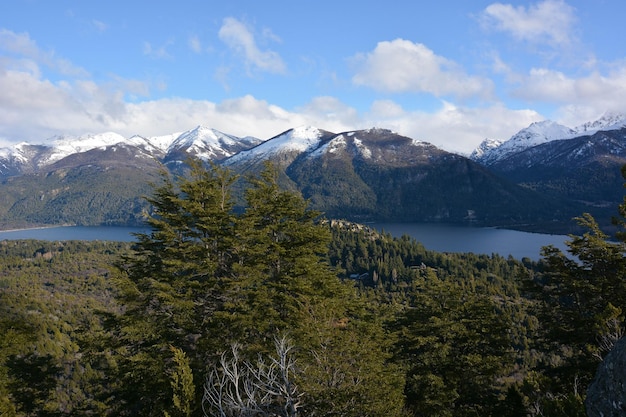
363 150
491 151
300 139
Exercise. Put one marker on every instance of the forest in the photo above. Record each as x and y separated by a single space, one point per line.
277 311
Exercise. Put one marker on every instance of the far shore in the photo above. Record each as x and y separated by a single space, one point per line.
23 229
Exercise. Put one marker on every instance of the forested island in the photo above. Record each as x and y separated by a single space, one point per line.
277 311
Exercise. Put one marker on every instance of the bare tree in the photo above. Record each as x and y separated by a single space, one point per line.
238 388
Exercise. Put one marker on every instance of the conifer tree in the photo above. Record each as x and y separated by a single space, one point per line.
457 348
206 278
174 282
582 300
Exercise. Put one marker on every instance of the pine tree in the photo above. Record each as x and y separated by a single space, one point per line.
174 283
206 278
457 348
582 299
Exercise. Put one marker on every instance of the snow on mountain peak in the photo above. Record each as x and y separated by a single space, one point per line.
63 146
608 121
490 151
485 147
535 134
299 139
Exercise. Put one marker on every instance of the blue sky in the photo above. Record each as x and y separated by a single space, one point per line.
452 72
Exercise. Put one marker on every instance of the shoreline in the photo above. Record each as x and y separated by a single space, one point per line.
25 229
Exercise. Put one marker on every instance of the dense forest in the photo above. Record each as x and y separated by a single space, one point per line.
277 311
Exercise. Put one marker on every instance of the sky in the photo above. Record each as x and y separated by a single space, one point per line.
450 72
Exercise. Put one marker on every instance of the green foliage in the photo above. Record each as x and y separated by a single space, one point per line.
49 295
85 195
457 347
580 301
181 381
380 326
206 277
582 298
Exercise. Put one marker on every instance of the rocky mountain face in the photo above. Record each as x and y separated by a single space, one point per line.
606 395
492 151
201 142
97 179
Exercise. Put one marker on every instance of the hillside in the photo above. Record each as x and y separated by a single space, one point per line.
585 170
365 175
378 175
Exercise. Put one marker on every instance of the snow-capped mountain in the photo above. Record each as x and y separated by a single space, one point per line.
537 133
485 147
609 121
207 143
492 151
365 175
203 142
63 146
289 143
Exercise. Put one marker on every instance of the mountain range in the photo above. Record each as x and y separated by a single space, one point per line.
538 179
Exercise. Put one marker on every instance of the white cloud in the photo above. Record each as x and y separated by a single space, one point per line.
550 21
33 109
241 40
159 52
553 86
455 128
403 66
580 99
194 44
20 44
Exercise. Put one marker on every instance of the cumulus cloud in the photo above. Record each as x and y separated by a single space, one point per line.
555 86
452 127
580 98
241 40
550 21
33 108
403 66
21 45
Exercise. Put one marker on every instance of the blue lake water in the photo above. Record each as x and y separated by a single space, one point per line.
437 237
480 240
119 234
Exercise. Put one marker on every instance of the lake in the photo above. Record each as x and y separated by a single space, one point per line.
437 237
120 234
481 240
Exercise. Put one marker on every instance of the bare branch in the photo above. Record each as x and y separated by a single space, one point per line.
262 389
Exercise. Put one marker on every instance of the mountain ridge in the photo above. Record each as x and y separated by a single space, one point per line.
491 151
363 175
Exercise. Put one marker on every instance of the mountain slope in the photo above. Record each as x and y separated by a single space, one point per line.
376 174
584 169
364 175
97 179
491 151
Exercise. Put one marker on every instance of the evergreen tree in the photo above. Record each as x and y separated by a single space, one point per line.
457 349
174 283
206 278
582 299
